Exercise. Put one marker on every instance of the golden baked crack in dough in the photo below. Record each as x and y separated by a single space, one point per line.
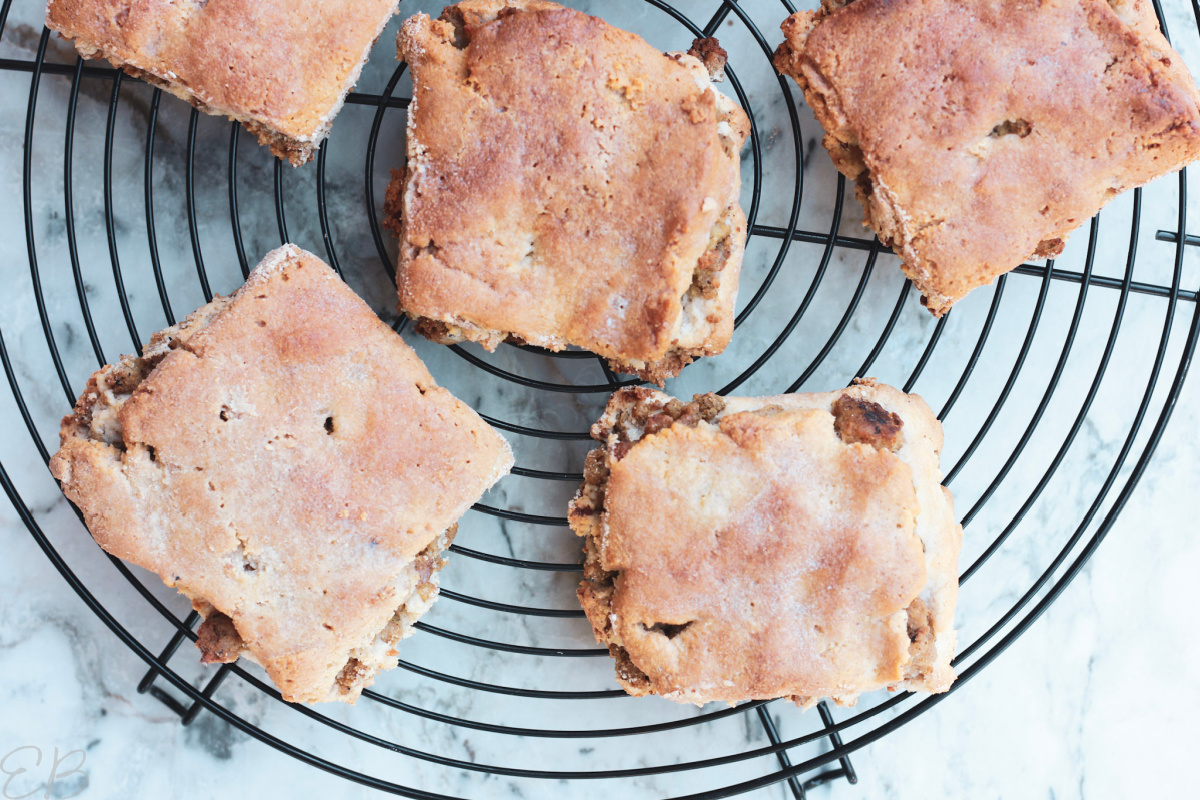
567 184
980 133
285 460
281 68
745 548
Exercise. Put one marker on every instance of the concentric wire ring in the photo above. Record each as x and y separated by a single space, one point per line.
844 334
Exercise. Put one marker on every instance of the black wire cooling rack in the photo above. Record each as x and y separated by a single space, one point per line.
1061 379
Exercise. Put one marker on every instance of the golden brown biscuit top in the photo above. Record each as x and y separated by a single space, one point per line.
762 556
563 175
284 63
283 462
991 128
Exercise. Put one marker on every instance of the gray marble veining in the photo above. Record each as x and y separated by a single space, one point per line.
1093 701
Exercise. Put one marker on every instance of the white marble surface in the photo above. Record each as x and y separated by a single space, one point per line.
1094 701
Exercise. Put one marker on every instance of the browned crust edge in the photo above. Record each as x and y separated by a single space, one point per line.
639 412
720 253
294 151
357 674
217 637
726 246
847 157
880 212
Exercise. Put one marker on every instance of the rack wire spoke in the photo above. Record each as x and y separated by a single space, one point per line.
788 231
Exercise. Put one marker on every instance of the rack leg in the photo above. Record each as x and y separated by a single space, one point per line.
146 684
769 725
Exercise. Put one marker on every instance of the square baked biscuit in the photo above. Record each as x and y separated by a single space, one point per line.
280 68
567 184
285 460
980 133
796 546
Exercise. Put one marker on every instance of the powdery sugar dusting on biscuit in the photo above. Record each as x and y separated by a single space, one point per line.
805 584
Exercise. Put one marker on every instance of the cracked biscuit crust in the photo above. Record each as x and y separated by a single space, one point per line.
286 461
567 184
281 68
796 546
984 132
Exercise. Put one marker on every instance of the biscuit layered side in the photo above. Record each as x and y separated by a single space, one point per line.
566 185
281 69
982 133
797 546
284 460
